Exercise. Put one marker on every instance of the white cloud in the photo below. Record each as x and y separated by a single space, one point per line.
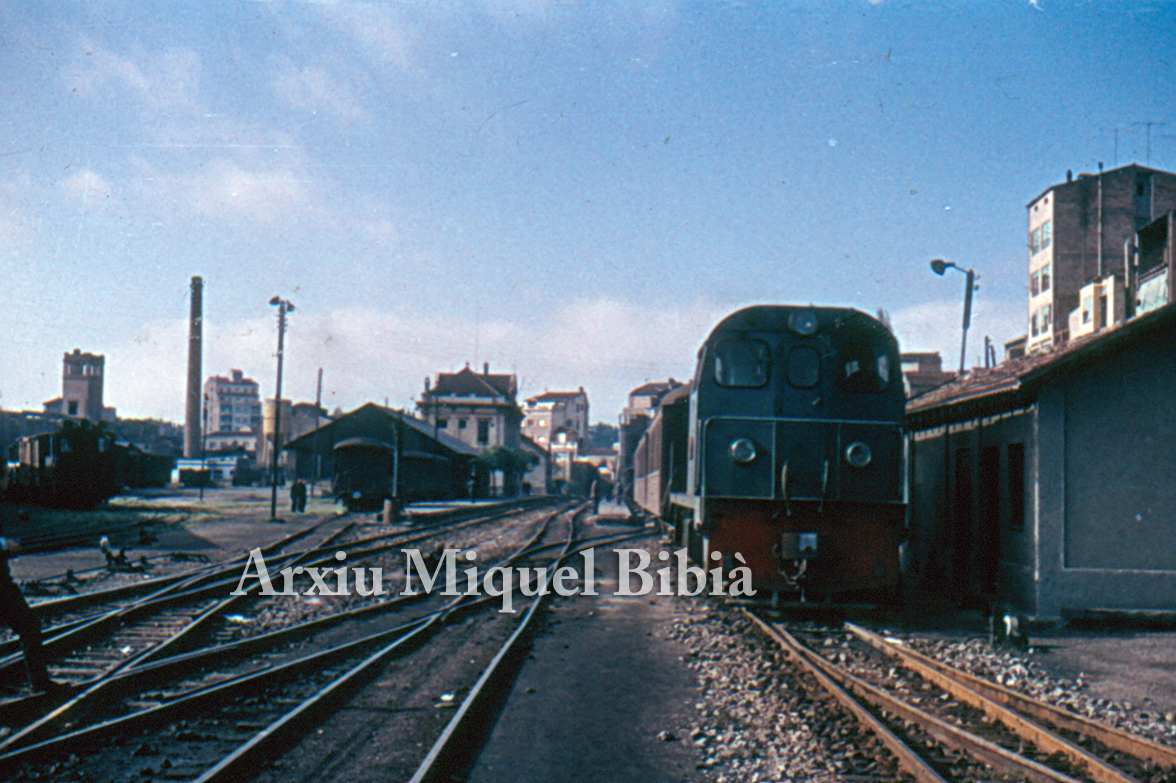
88 187
13 219
381 31
166 79
313 89
607 346
226 190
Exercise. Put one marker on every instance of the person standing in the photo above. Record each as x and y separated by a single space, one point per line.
298 496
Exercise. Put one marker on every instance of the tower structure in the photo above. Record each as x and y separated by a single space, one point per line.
81 385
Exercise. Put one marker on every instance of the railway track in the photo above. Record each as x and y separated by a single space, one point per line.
315 663
100 633
939 723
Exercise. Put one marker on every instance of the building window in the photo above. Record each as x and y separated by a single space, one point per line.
483 431
73 407
1035 284
1045 318
1033 323
1045 278
461 424
1016 479
1046 230
442 424
1035 241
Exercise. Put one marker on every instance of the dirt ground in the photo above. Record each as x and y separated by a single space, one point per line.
1128 667
1135 666
155 525
603 680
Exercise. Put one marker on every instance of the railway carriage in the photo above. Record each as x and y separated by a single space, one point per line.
367 471
788 452
76 467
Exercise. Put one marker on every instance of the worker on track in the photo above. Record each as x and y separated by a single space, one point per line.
15 612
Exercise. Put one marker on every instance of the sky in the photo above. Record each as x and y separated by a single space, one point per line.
572 192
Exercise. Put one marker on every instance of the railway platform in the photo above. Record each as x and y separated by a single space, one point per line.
602 690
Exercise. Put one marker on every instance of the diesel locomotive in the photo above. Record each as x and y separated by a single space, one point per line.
787 449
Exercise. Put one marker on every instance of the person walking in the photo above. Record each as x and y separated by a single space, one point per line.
15 612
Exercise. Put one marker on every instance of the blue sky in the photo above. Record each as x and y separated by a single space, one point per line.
573 192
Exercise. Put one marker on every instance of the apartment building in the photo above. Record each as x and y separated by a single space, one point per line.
1082 232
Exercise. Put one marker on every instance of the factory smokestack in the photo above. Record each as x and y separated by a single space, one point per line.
192 424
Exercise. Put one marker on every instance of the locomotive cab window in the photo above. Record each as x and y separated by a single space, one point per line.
804 367
863 368
741 363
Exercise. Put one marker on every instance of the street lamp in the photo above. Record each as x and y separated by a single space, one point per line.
283 308
939 266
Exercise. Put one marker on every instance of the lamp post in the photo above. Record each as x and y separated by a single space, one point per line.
283 308
939 266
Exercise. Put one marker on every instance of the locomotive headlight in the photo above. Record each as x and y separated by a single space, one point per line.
742 451
858 454
803 322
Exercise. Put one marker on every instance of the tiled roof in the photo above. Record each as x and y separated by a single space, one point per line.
659 387
307 440
1015 383
423 427
468 383
556 396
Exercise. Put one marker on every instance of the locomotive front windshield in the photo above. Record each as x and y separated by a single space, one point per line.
742 363
804 367
864 368
858 366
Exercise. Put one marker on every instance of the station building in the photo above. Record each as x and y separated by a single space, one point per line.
477 409
425 455
1045 484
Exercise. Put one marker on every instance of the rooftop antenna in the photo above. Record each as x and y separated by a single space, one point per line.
1116 131
1149 124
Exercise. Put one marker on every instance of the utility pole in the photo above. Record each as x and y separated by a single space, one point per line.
283 308
203 448
318 460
